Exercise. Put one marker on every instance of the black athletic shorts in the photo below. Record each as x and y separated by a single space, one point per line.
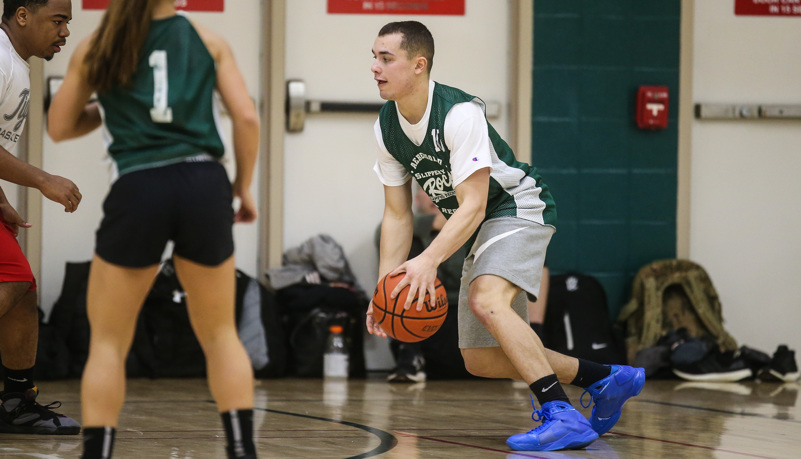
189 203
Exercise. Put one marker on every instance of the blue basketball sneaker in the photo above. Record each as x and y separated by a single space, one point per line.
563 427
610 394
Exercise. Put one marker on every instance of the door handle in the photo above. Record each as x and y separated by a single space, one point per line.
296 106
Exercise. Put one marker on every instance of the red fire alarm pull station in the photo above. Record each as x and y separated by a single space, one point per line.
652 107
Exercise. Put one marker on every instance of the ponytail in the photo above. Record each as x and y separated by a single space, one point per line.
114 50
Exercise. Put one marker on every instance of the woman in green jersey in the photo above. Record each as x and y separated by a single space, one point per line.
155 74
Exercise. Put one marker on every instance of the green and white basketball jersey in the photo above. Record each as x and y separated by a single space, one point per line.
516 189
167 114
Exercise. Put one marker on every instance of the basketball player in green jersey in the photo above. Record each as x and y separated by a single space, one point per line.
439 136
155 74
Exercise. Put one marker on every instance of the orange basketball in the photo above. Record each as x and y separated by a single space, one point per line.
408 325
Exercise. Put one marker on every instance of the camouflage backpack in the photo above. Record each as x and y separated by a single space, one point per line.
668 295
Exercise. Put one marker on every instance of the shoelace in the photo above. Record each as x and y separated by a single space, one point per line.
587 391
541 415
44 411
581 399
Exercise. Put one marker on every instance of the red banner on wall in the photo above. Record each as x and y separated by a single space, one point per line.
444 7
189 5
767 7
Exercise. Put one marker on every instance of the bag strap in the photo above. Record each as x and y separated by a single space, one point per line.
652 312
627 310
712 320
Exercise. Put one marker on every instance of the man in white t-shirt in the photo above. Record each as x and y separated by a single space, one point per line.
440 137
29 28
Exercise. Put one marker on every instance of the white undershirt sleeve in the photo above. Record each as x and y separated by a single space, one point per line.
390 172
467 136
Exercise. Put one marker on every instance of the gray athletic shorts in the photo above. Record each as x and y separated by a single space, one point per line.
511 248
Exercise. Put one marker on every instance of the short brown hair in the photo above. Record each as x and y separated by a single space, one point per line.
417 40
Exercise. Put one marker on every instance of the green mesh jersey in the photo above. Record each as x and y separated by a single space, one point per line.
516 189
167 113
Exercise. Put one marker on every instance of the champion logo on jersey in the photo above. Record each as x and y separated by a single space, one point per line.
475 158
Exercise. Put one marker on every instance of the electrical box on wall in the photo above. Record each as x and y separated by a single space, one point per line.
652 107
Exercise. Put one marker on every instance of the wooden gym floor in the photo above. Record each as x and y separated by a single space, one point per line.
307 418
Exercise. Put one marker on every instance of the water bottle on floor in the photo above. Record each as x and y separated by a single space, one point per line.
335 359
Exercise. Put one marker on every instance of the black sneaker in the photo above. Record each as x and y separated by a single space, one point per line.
782 366
409 370
19 413
756 360
716 366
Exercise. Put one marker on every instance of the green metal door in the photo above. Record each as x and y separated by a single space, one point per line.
615 185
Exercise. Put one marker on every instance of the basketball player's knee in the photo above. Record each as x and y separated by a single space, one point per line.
482 307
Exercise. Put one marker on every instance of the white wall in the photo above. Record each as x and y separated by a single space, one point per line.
744 210
70 237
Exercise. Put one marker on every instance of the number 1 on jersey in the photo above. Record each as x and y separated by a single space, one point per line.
161 112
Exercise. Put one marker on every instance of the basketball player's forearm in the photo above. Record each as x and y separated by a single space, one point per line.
246 150
396 241
471 195
14 170
455 233
89 120
60 127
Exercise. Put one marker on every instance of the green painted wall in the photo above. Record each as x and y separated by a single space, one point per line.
615 185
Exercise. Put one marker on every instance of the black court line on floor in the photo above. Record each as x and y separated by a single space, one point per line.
388 441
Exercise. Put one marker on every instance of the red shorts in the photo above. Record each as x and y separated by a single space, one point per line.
14 267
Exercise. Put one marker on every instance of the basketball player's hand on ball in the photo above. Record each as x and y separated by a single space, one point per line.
372 326
421 277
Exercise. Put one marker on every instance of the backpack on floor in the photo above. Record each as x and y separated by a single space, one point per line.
669 295
310 311
68 317
577 320
164 344
259 319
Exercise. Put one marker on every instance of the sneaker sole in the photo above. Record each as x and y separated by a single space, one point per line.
730 376
26 430
789 377
416 378
579 443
